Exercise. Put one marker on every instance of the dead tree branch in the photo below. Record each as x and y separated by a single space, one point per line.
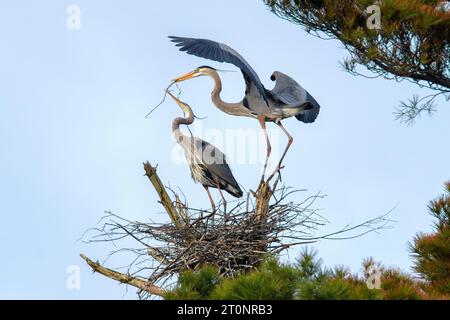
124 278
165 200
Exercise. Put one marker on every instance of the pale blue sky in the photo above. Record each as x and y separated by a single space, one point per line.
73 133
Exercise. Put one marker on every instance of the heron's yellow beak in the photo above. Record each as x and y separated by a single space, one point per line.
184 106
174 98
178 101
188 76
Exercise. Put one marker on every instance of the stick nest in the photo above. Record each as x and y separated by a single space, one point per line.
266 223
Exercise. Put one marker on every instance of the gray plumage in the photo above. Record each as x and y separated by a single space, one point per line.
219 52
289 92
207 163
209 166
286 99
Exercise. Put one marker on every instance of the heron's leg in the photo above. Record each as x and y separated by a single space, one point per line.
213 206
262 122
290 140
224 203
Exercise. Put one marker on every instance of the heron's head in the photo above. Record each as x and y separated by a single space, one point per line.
200 71
184 106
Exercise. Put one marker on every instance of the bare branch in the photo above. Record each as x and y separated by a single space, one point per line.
150 172
123 278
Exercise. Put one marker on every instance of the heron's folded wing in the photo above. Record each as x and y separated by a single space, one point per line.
219 52
215 161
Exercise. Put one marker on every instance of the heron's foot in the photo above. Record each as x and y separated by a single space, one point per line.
262 179
183 205
225 210
277 170
260 185
207 217
211 214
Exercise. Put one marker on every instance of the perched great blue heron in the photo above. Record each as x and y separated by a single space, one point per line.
207 163
285 100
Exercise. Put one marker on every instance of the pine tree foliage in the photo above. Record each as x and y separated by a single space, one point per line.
196 285
307 279
411 41
431 251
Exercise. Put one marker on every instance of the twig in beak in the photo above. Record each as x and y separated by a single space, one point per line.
164 98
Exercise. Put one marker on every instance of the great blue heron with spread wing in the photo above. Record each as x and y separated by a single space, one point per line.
207 163
285 100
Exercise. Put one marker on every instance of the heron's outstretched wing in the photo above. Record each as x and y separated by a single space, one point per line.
310 115
222 53
290 93
287 90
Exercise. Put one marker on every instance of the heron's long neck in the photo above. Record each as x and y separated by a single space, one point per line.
230 108
187 120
